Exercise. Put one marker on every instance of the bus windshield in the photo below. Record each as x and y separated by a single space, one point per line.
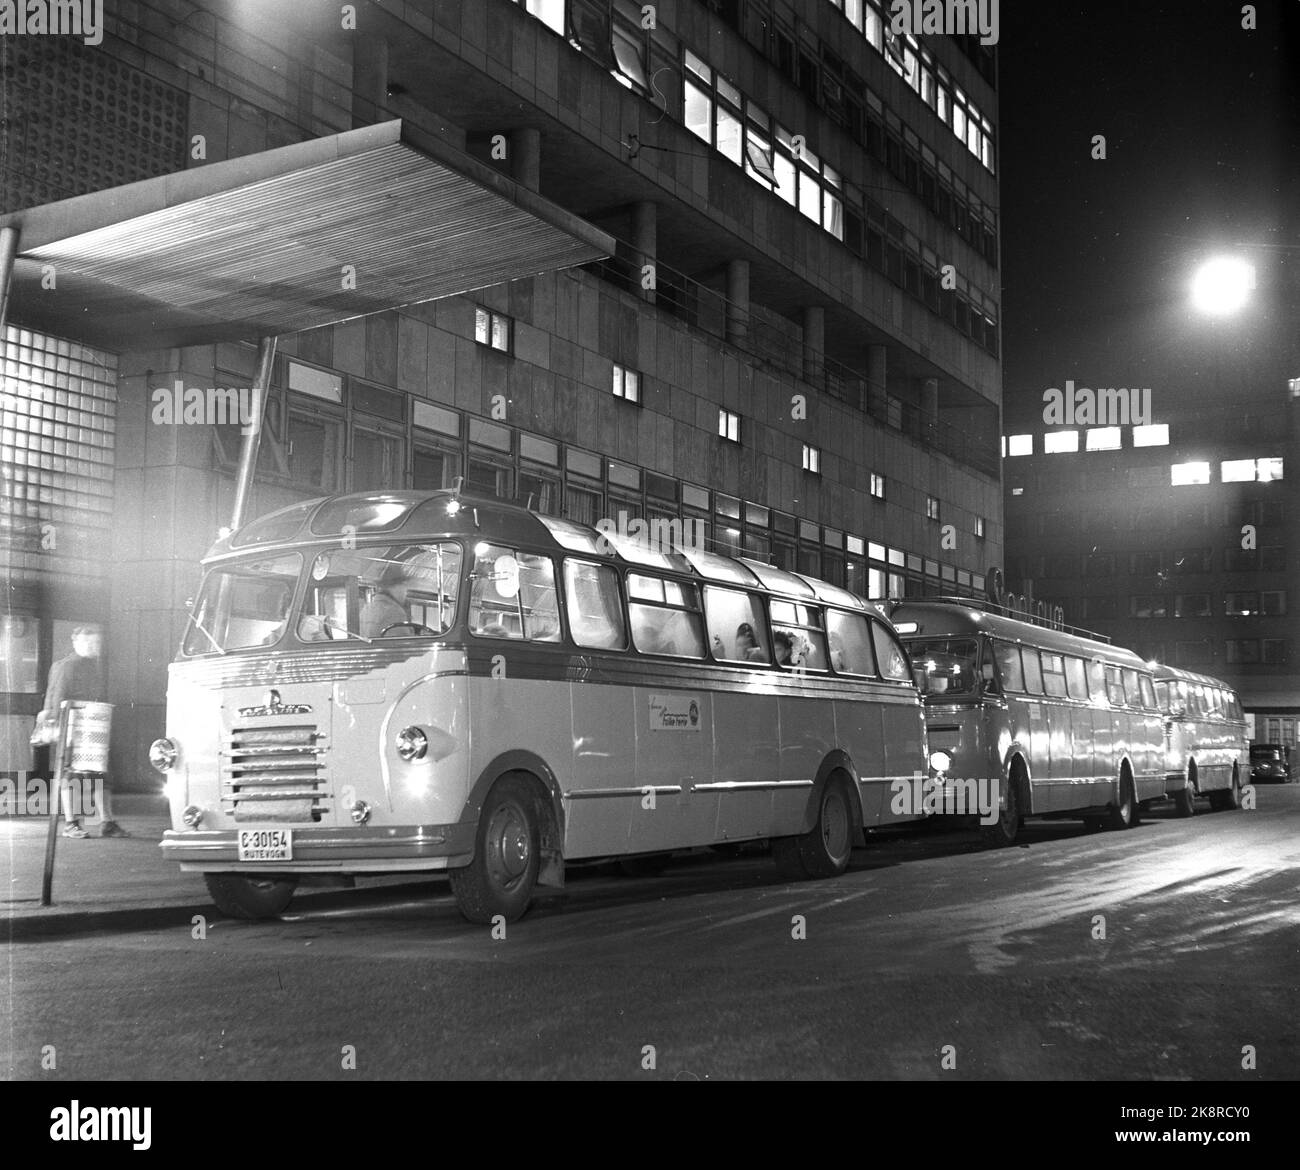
244 604
394 591
945 666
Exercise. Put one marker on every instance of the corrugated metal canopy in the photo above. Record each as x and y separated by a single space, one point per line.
258 245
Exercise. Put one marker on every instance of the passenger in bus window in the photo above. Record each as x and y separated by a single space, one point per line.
747 647
784 645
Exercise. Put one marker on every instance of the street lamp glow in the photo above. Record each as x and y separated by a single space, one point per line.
1222 287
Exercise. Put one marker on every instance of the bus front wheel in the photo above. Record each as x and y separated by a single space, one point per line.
1227 798
250 897
501 877
1185 800
1124 812
1006 828
826 850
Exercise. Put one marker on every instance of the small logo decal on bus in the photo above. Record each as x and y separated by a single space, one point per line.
674 713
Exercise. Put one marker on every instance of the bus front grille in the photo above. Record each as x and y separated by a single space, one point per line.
275 774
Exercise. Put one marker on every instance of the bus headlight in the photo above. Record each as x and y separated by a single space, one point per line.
360 812
163 754
940 761
412 743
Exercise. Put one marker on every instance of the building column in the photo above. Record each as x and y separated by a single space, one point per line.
814 344
644 246
369 79
738 301
877 368
526 148
8 250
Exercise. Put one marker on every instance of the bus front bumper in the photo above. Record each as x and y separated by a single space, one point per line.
366 849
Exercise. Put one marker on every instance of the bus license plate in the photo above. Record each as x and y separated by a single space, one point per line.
265 844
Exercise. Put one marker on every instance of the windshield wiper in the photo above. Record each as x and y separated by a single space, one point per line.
220 649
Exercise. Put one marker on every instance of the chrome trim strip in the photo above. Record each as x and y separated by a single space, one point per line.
657 789
738 785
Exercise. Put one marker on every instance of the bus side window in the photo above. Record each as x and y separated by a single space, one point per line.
889 654
737 631
1033 671
1097 681
1132 689
539 605
1075 677
1114 686
1148 693
1054 675
595 611
850 642
665 616
513 596
1008 656
797 635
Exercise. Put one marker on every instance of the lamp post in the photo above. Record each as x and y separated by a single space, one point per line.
1222 286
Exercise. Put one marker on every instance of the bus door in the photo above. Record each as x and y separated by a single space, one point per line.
1105 761
1148 737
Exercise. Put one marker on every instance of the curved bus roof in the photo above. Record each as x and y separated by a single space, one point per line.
936 619
412 516
1164 673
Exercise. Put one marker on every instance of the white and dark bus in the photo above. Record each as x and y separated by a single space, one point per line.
1207 745
1061 723
418 681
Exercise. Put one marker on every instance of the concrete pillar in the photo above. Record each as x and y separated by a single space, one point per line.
814 344
369 79
738 301
644 247
877 368
526 149
8 250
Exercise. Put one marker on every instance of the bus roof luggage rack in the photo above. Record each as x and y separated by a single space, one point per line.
1006 611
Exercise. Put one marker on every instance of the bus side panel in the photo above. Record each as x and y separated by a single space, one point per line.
807 731
903 730
1054 773
432 790
860 731
514 714
1105 755
746 747
604 756
672 749
1148 755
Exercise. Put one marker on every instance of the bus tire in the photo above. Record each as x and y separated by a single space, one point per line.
1124 812
1006 828
789 859
1185 798
501 878
239 896
1227 798
826 850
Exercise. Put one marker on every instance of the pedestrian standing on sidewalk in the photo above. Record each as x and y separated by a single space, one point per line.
80 678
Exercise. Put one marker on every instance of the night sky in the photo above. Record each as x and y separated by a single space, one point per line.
1202 126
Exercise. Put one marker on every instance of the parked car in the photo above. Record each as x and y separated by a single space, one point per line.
1270 761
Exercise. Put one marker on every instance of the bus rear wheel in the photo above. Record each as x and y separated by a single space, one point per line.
239 896
1227 798
1185 799
1124 812
501 878
1006 828
826 850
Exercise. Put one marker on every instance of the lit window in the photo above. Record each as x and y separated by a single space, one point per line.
1154 435
1103 439
878 486
979 527
932 507
1060 442
627 384
1182 474
492 329
812 459
729 425
1021 445
549 12
699 112
1237 470
1268 469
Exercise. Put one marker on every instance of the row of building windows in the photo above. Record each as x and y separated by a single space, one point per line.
1095 439
329 433
1174 562
784 163
1230 471
928 80
1206 652
1246 603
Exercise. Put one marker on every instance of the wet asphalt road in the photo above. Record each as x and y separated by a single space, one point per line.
1157 953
